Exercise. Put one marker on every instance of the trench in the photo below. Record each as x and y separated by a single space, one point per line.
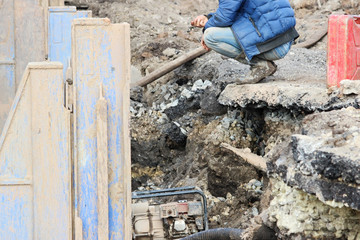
178 125
177 145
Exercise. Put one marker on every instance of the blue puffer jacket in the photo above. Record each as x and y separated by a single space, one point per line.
258 25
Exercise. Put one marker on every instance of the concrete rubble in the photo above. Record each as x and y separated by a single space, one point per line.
324 159
308 133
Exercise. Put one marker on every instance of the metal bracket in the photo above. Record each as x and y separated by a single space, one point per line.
68 88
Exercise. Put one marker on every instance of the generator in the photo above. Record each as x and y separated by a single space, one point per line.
168 214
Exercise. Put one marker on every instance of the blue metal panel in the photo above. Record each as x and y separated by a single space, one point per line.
59 33
7 48
7 59
101 58
35 190
16 220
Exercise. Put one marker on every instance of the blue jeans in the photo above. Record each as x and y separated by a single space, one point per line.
222 40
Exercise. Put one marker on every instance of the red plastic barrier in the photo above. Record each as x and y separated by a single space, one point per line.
343 49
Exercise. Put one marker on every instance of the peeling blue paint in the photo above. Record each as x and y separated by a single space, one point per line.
59 48
87 84
59 33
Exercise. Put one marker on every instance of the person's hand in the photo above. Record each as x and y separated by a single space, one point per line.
199 21
203 44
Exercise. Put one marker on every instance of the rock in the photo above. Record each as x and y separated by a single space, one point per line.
174 111
135 74
172 104
167 96
210 105
349 87
263 233
169 52
199 84
136 93
226 122
187 94
175 138
325 159
298 214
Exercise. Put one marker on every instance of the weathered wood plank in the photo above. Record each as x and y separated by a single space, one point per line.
255 160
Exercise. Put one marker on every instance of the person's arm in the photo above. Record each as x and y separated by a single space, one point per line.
225 14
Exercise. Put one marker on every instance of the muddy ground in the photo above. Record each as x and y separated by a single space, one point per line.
177 122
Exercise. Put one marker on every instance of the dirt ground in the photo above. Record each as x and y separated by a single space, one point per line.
177 124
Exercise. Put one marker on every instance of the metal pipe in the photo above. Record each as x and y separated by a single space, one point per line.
163 190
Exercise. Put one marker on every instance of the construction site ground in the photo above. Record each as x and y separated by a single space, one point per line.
179 122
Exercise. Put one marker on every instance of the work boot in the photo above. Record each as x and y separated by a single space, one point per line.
259 70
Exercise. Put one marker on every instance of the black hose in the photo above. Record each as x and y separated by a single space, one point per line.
217 234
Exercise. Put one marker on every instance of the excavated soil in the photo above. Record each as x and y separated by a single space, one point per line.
178 123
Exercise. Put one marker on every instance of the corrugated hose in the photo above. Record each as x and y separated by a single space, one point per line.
217 234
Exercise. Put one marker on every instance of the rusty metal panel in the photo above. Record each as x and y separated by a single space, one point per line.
35 169
101 56
59 33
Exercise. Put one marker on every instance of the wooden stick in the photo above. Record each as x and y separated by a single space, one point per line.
255 160
78 227
102 168
170 66
313 39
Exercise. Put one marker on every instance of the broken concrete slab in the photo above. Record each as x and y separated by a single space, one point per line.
275 94
349 87
324 159
297 214
282 94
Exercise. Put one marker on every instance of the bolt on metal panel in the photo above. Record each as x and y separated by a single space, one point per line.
59 33
35 191
101 57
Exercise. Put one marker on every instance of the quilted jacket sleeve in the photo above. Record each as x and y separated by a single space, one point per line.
225 14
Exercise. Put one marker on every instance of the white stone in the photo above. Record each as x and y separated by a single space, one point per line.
169 52
173 104
167 96
349 87
183 131
187 94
